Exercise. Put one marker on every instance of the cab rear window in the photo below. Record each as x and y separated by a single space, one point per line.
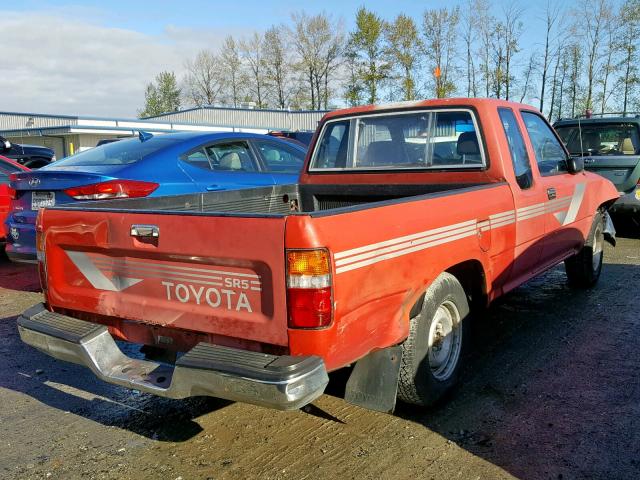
431 139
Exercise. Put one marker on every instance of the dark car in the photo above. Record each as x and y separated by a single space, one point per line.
31 156
610 146
300 137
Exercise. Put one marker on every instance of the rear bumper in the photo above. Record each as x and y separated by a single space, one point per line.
281 382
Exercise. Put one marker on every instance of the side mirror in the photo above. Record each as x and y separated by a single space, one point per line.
575 165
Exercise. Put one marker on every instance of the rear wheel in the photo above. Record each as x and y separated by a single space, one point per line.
432 353
584 268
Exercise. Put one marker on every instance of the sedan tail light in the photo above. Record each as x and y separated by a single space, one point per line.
112 189
309 288
12 193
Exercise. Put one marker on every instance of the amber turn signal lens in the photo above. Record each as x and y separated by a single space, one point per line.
308 262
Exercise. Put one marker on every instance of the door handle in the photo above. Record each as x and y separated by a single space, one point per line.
213 188
551 193
145 231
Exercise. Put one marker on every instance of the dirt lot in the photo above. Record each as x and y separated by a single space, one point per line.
551 391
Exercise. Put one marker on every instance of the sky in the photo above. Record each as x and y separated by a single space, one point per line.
95 57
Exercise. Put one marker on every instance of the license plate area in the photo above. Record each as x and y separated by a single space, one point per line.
42 200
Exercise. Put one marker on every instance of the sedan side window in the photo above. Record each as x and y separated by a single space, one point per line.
231 157
550 155
281 158
198 159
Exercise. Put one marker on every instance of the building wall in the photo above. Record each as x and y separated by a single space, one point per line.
15 121
249 118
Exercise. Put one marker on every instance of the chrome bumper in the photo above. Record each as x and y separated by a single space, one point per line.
281 382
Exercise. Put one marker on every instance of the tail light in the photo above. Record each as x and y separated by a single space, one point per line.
112 189
12 193
309 289
42 260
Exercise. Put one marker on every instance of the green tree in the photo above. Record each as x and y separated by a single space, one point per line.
367 45
439 28
403 51
629 40
161 96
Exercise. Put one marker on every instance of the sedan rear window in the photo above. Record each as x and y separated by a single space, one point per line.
432 139
601 139
123 152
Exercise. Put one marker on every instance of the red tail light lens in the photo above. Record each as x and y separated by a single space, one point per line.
309 308
12 193
13 177
112 189
309 290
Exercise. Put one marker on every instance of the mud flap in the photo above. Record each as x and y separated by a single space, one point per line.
609 230
373 383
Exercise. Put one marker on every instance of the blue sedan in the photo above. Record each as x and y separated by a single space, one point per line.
150 165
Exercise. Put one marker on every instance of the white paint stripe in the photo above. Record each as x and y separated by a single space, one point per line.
530 207
151 271
97 258
576 202
381 251
502 223
405 238
502 214
531 215
400 246
406 251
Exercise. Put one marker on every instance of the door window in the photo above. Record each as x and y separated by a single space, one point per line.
281 158
231 157
550 155
519 155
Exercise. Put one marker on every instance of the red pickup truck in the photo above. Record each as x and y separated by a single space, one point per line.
406 218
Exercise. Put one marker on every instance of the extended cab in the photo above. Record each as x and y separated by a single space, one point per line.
406 217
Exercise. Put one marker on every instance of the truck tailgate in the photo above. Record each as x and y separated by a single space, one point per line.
221 275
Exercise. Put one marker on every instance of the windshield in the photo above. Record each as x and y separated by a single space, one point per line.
601 139
123 152
433 139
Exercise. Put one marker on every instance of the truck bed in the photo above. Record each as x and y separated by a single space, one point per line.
276 201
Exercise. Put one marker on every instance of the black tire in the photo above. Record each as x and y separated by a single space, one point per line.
424 379
584 268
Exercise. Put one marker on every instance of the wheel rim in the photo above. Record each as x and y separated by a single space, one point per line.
445 340
598 243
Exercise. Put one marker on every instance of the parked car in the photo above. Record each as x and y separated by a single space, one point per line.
31 156
7 167
610 146
374 259
159 165
301 137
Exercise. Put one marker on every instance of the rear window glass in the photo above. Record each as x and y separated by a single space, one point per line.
445 139
601 139
123 152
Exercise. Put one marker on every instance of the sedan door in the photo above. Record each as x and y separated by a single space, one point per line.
225 165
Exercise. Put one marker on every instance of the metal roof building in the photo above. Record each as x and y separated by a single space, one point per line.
67 134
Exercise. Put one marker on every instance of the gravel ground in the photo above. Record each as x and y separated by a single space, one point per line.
551 390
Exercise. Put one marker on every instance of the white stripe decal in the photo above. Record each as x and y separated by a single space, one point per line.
399 246
405 238
576 201
378 252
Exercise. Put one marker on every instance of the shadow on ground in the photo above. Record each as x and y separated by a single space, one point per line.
72 388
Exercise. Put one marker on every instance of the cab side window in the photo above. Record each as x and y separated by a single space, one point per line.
519 155
550 155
